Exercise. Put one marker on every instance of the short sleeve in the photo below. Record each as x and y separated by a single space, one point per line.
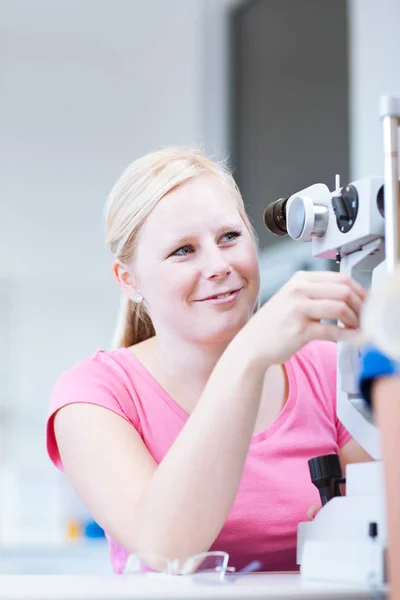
93 381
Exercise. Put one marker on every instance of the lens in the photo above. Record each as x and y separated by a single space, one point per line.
206 561
297 217
214 563
148 563
275 217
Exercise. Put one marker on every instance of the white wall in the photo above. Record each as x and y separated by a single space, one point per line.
86 88
374 70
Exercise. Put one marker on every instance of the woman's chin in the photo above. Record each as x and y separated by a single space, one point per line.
222 335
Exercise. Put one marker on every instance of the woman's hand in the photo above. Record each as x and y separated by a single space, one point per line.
313 511
292 317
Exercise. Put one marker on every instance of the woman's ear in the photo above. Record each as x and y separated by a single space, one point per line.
125 279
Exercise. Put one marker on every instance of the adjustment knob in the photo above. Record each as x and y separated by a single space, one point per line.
345 207
326 474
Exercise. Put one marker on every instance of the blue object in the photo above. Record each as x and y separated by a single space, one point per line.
374 364
93 530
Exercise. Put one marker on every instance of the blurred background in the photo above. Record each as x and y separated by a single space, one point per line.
287 88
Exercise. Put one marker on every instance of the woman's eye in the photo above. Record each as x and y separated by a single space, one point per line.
231 235
184 251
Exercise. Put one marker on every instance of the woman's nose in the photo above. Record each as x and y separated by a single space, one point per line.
216 265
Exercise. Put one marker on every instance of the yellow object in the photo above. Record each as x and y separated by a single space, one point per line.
73 530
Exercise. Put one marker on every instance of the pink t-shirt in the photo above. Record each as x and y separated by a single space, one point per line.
275 491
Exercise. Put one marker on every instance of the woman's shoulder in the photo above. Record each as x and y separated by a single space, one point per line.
104 378
108 367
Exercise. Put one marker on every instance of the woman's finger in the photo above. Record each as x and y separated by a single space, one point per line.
312 511
335 277
331 310
336 291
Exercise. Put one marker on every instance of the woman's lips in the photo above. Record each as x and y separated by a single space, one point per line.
227 298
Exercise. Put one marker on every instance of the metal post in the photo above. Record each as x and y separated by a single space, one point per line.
390 114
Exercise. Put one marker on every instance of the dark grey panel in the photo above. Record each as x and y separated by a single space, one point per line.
290 99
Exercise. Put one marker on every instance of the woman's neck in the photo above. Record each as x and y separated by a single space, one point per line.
177 358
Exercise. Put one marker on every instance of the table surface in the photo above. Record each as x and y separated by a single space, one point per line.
117 587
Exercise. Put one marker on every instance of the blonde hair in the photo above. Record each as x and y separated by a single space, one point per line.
135 194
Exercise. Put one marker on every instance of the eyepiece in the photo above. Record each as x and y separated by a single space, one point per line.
275 217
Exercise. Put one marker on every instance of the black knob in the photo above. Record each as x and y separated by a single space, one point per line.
345 207
373 529
326 474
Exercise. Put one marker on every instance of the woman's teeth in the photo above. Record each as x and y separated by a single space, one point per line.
222 295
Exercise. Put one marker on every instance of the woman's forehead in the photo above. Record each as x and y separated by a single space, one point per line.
192 205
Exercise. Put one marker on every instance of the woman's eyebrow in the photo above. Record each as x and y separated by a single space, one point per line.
171 245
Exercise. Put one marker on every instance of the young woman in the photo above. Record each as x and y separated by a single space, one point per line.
194 433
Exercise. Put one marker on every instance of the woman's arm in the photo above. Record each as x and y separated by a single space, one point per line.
351 452
178 507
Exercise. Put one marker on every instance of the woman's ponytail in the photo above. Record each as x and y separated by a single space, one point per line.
133 325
